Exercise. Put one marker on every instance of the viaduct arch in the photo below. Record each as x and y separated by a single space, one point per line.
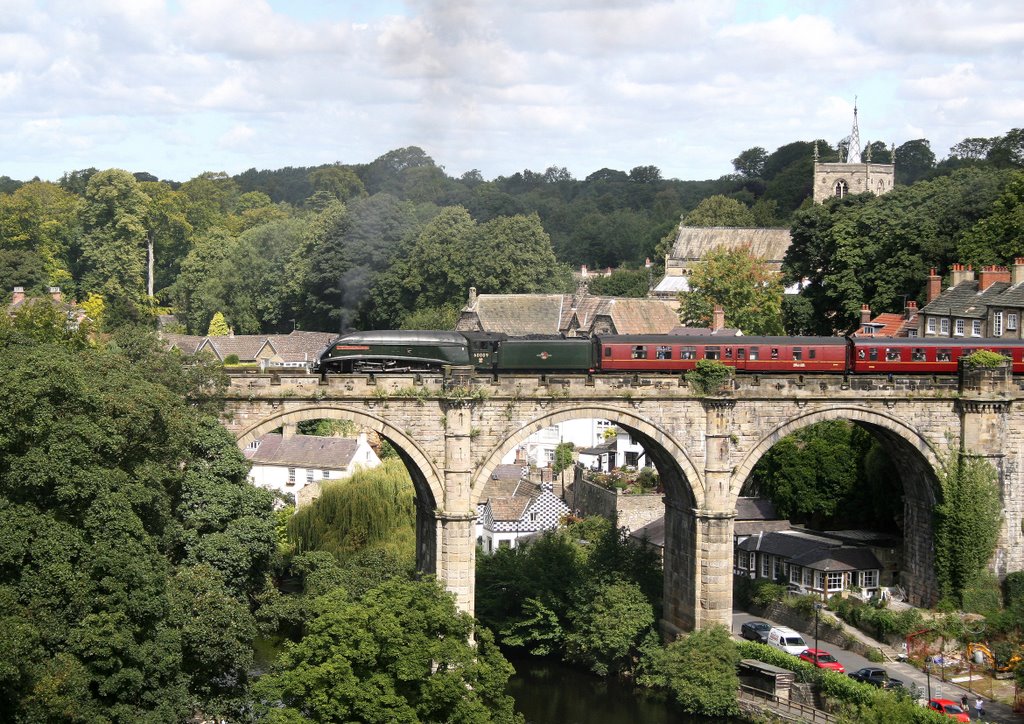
704 448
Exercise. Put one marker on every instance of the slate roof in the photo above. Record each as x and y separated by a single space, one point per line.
304 451
1011 297
964 300
653 533
245 346
845 558
507 481
788 544
755 509
509 509
693 242
299 346
187 343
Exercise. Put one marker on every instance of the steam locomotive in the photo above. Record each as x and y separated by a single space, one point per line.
430 351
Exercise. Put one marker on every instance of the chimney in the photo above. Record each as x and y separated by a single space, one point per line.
472 298
55 293
18 296
647 263
989 275
934 286
1018 271
717 318
865 314
911 309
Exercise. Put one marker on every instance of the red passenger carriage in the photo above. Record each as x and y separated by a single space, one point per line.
917 355
670 353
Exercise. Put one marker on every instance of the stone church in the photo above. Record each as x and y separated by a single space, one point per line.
855 175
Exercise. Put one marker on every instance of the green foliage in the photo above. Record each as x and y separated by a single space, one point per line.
606 626
985 359
622 283
218 327
563 457
398 653
708 377
700 671
372 508
967 521
742 284
719 210
983 595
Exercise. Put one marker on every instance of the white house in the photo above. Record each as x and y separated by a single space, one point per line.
508 519
614 452
289 463
585 434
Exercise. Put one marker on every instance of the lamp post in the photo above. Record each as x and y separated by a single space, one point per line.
817 608
928 674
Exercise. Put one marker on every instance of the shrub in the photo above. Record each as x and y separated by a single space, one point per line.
700 671
984 358
874 655
708 376
766 593
231 359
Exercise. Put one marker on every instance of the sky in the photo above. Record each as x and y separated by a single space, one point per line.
180 87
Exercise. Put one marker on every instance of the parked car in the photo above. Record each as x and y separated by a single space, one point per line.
876 677
756 631
822 659
786 639
949 708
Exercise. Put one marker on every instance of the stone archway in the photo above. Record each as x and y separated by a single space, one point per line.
916 459
682 480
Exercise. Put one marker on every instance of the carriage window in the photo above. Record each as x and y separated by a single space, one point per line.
607 351
754 353
639 352
812 353
728 352
943 355
917 354
663 352
775 352
892 355
712 352
688 353
798 353
873 354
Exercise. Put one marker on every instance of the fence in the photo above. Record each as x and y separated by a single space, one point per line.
783 707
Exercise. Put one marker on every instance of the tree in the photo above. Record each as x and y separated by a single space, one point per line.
399 653
563 457
340 182
1007 151
218 327
40 228
742 285
914 160
719 210
700 671
622 283
645 174
996 238
607 626
877 152
971 149
115 237
750 163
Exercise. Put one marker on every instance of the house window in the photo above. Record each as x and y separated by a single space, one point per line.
835 581
766 566
504 544
997 324
819 580
309 475
712 353
533 516
808 578
639 352
663 352
327 475
778 571
944 327
632 459
742 560
976 328
794 575
1011 321
931 325
958 328
869 579
291 476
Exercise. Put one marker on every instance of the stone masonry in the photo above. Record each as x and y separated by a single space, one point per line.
451 436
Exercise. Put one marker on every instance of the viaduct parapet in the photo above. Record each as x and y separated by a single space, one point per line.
452 431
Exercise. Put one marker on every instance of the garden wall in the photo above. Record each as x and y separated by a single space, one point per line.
630 510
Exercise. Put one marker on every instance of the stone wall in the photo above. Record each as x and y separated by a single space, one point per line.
627 509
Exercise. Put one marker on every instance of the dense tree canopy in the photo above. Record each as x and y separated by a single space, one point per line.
748 292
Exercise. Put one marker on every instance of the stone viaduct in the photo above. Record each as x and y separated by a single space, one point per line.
452 431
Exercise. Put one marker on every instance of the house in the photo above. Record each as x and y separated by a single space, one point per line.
187 344
507 520
810 563
572 315
291 463
617 451
244 347
507 481
888 324
989 305
72 313
298 349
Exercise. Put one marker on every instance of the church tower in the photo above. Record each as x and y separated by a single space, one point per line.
855 175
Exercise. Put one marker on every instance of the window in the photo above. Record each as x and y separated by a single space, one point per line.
892 354
688 353
754 353
997 324
291 476
819 580
808 577
931 325
663 352
742 558
712 353
766 565
639 352
607 351
917 354
835 581
504 544
309 475
943 355
327 475
841 189
728 352
1011 321
533 517
869 579
775 353
798 353
794 574
812 353
873 354
944 327
777 570
976 328
958 328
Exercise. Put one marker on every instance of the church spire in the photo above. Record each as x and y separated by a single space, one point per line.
853 150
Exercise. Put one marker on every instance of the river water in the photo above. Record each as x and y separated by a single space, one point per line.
549 692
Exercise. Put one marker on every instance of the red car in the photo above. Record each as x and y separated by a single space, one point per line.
950 708
822 659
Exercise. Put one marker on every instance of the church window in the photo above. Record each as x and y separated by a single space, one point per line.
842 188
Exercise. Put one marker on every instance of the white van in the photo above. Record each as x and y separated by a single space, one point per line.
786 639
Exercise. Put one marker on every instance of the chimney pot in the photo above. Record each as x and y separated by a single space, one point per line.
1017 271
865 314
18 296
472 297
55 293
